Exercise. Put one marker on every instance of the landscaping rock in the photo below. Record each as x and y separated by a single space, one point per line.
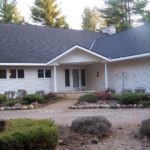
98 125
35 104
31 106
94 141
2 108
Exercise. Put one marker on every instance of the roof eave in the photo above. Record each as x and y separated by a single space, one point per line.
130 57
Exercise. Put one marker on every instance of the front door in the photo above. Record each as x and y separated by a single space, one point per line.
76 80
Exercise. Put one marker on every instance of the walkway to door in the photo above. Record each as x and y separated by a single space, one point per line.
60 113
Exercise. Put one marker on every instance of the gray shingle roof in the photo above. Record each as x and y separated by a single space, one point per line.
127 43
33 44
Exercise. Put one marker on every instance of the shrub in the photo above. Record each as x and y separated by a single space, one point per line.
98 125
11 102
2 98
10 94
21 93
140 90
111 90
129 98
40 92
145 128
145 97
30 98
103 95
50 96
2 125
27 134
90 98
126 91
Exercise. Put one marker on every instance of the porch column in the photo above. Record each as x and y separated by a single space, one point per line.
106 77
55 78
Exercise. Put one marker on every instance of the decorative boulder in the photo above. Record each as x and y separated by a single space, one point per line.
97 125
145 128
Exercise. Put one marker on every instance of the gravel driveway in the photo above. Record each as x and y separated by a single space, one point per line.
60 113
127 120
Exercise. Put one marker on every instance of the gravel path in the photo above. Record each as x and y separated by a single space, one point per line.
60 113
128 120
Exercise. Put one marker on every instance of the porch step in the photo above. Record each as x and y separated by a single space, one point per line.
74 95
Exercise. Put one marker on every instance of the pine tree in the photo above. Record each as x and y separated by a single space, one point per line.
46 12
9 12
120 12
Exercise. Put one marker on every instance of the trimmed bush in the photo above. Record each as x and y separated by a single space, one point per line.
129 98
30 98
103 95
98 125
11 102
145 128
27 134
90 98
2 98
145 97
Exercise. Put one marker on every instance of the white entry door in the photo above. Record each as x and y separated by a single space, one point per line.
76 78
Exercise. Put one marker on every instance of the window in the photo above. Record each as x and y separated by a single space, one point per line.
16 73
47 73
44 73
12 73
83 77
41 73
2 74
67 77
20 73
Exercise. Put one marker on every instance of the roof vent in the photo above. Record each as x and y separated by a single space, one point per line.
109 30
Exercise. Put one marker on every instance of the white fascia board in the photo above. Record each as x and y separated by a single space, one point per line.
22 64
131 57
81 48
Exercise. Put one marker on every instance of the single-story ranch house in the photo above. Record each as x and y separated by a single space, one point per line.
37 58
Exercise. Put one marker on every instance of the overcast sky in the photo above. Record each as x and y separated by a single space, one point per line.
72 9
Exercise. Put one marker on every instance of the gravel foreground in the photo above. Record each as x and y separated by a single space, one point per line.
126 124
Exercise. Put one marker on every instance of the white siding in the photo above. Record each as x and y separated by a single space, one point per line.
94 82
31 83
78 56
136 74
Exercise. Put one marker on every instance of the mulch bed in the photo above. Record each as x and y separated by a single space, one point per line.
122 138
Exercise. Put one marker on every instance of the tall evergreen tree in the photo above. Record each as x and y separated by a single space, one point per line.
47 13
9 12
120 12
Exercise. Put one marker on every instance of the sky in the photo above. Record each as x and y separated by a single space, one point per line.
72 9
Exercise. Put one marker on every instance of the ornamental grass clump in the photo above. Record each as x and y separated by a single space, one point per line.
97 125
28 134
145 128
